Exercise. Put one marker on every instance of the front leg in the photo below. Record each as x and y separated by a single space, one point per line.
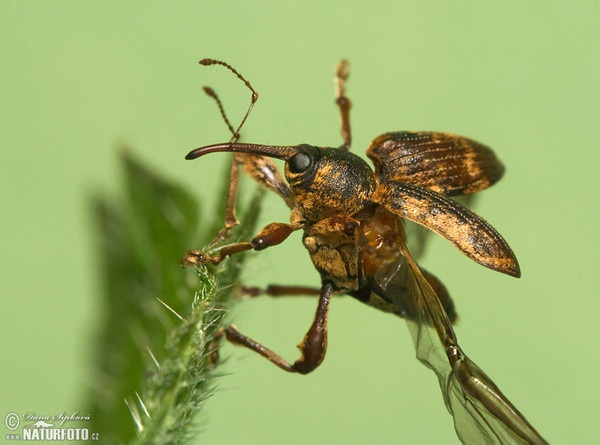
234 180
274 290
312 348
270 235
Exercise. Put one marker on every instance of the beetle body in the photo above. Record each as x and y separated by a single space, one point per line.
352 217
327 182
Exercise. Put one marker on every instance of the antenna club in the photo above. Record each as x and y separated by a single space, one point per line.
209 91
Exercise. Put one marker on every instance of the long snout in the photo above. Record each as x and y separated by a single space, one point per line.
274 151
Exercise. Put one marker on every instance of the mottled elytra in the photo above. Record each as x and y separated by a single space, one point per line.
352 218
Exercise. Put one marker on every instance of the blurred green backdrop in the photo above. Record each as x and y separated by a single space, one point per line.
80 78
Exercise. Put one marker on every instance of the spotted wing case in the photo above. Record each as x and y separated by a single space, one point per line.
417 171
473 235
442 162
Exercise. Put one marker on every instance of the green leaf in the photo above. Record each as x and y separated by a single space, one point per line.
152 372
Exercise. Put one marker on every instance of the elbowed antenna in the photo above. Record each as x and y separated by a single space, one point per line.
274 151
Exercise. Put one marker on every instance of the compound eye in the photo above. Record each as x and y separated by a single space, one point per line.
299 163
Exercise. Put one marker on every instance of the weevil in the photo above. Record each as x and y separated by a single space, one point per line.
352 218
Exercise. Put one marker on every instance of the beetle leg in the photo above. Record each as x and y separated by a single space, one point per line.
279 291
234 179
312 348
271 235
197 257
341 75
213 349
303 291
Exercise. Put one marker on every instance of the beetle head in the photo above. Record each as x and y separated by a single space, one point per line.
325 181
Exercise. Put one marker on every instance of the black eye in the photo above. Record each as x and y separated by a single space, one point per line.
299 163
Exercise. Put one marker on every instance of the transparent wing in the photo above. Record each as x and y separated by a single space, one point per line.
482 414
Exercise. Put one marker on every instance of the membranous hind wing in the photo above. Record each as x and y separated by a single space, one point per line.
445 163
482 414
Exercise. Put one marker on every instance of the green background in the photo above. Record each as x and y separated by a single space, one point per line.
79 79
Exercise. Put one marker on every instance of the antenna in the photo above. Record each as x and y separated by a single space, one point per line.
210 92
